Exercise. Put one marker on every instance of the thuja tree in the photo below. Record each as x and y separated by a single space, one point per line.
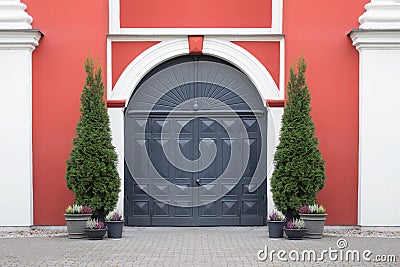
299 168
91 169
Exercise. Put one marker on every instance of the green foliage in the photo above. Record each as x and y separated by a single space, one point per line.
299 168
91 169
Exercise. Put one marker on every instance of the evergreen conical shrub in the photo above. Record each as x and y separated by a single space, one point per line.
92 167
299 168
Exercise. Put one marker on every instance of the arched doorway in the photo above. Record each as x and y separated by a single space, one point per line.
195 142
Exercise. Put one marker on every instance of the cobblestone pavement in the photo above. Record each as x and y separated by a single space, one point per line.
192 246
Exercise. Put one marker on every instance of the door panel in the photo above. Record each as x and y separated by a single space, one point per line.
237 207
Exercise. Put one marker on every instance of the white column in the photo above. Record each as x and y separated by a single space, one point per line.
378 43
17 41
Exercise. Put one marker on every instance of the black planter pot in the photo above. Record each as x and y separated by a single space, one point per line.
275 229
95 234
114 228
295 234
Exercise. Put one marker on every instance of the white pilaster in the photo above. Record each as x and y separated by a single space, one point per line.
378 43
17 41
117 132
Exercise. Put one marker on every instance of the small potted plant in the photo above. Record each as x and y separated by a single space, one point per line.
75 218
314 217
295 229
276 222
95 229
114 224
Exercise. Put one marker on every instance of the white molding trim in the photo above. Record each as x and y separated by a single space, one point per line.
227 36
277 16
117 131
376 39
109 68
197 31
282 49
276 25
113 16
19 39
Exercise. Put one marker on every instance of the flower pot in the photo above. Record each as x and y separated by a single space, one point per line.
95 234
114 228
275 229
295 234
314 224
75 224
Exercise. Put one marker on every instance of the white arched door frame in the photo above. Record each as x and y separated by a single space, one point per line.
165 50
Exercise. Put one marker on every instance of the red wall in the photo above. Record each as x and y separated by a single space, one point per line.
319 33
267 53
123 53
71 32
196 14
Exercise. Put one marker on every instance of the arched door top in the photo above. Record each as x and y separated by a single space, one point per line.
171 84
167 50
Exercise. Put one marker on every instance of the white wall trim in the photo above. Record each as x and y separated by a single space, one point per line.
113 16
117 132
197 31
115 28
227 36
282 49
109 68
277 16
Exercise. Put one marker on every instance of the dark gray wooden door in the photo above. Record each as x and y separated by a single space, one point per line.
155 133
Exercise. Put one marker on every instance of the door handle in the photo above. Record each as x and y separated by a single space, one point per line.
198 182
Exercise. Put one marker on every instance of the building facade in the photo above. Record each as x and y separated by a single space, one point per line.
221 67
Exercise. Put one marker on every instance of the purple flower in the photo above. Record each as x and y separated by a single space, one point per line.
114 216
290 225
276 215
273 216
304 209
100 225
117 217
86 210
